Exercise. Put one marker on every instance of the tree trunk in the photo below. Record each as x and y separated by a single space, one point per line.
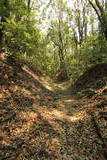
4 15
63 71
101 13
29 4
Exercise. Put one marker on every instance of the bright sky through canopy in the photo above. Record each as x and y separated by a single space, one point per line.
49 14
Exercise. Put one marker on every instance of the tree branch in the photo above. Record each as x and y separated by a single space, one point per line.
94 7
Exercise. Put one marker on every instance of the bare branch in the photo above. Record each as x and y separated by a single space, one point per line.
94 7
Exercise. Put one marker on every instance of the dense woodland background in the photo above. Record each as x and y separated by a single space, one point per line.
53 79
62 38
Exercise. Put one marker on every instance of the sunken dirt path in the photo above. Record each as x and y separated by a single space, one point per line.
37 123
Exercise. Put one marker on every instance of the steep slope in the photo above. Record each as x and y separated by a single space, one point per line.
91 80
22 88
38 124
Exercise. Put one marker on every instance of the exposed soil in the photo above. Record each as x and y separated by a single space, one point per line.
38 123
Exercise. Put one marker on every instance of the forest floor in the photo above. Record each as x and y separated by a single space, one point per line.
41 120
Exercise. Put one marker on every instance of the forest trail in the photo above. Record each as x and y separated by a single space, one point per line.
41 120
42 43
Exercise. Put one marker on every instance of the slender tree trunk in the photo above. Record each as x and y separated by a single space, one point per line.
29 5
63 70
4 15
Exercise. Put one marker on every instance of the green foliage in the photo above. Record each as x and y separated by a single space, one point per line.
24 36
94 50
21 37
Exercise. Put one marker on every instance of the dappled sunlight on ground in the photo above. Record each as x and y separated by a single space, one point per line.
4 138
53 114
23 129
38 124
28 116
69 100
42 80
